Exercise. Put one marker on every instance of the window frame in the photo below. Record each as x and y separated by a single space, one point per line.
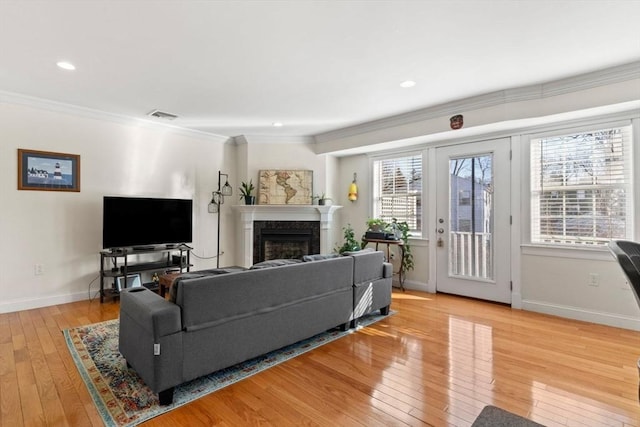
631 173
374 201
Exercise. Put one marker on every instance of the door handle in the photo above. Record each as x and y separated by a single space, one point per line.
440 230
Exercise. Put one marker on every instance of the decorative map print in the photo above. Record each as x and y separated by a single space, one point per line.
285 187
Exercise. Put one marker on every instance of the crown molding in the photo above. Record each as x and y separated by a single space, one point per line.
60 107
567 85
587 117
273 139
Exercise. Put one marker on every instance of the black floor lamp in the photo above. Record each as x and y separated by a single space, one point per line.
214 206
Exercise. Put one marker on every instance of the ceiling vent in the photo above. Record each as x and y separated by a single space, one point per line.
162 115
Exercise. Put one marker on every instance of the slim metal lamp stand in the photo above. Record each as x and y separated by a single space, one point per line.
218 199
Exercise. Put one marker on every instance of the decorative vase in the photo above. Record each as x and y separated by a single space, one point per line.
249 200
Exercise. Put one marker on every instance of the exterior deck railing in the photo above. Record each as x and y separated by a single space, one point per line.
470 254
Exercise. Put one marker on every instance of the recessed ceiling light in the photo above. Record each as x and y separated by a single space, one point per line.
66 65
277 124
408 83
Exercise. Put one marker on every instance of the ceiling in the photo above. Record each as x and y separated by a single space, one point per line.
236 67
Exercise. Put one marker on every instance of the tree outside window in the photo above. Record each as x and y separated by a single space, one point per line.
398 190
580 187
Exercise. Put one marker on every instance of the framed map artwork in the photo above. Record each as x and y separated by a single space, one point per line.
285 187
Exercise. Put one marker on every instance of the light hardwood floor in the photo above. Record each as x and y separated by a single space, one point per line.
438 361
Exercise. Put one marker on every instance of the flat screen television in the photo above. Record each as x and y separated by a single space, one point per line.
143 222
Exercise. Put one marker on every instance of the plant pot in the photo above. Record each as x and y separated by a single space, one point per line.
249 200
321 202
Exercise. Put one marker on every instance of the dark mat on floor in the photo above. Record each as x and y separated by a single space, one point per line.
492 416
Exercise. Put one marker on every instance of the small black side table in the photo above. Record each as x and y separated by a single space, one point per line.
389 243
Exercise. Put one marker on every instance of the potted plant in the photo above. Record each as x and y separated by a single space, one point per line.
322 199
376 224
246 193
350 243
407 261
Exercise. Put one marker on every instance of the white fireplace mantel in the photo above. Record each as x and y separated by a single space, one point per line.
250 213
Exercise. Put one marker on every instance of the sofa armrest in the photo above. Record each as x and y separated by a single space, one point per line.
150 311
387 270
150 338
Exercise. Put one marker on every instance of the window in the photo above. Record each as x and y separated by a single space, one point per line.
464 198
580 187
398 190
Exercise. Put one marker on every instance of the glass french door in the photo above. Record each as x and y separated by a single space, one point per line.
473 220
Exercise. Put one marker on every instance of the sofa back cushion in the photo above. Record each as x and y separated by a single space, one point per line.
318 257
207 301
367 266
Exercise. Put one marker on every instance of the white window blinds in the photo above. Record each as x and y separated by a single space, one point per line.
580 187
398 190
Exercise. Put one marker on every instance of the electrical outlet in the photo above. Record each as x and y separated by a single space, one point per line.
38 269
594 279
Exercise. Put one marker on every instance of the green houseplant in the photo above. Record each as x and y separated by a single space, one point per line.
350 243
377 224
403 227
322 199
246 193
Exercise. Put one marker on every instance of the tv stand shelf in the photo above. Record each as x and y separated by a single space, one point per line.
116 263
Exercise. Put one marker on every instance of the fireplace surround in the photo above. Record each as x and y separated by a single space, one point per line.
285 239
322 216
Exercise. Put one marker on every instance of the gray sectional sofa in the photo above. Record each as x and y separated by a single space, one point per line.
214 321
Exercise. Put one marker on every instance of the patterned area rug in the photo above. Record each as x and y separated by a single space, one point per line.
122 398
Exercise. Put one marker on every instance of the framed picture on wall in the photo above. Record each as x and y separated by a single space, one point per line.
285 187
44 170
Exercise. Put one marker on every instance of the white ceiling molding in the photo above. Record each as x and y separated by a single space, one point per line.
273 139
59 107
581 82
622 111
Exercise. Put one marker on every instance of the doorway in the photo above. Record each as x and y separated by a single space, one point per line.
473 220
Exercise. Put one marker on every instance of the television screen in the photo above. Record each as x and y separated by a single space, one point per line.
138 221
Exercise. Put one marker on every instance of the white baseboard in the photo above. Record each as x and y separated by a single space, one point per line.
576 313
417 286
31 303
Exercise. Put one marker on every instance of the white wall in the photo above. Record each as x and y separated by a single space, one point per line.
256 153
62 231
356 214
553 282
546 282
560 285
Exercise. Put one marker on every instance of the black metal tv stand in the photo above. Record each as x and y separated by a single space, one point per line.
124 262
